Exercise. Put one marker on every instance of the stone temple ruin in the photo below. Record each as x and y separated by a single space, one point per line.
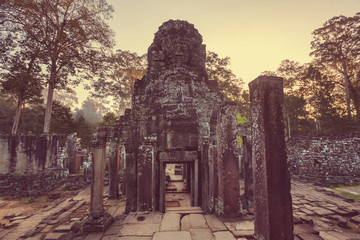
179 152
179 117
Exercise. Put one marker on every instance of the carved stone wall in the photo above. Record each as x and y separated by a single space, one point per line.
31 154
326 159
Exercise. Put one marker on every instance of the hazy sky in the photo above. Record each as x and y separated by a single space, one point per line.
255 34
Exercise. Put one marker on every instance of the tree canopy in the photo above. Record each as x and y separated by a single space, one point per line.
218 69
336 46
70 34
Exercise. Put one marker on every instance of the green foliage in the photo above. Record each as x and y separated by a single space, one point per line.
240 120
239 141
108 119
117 78
232 87
71 36
62 119
7 110
336 48
84 131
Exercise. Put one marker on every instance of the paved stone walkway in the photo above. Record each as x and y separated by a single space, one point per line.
317 215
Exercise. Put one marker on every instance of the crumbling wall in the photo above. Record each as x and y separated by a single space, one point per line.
326 159
31 154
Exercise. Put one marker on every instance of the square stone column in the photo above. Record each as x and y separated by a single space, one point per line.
114 170
272 199
99 219
205 181
248 173
228 201
145 178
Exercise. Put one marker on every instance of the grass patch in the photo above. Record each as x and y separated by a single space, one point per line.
338 190
350 195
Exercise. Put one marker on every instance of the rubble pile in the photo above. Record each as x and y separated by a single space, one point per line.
15 186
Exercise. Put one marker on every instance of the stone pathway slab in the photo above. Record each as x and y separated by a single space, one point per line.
224 235
215 223
143 218
201 234
197 221
180 235
241 228
139 229
170 222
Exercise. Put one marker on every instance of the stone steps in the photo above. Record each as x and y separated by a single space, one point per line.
184 210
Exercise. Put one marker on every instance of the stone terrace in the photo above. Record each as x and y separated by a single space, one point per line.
317 215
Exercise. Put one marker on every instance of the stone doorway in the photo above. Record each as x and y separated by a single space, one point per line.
179 179
178 185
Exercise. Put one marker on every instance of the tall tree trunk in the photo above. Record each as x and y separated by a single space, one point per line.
49 101
15 126
356 100
346 84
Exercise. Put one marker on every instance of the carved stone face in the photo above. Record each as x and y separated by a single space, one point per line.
176 44
179 53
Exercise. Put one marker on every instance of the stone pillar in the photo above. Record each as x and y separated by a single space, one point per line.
114 166
272 199
122 162
248 173
213 156
205 174
146 190
98 220
196 182
228 166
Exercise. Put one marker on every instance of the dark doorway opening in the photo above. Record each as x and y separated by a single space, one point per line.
178 185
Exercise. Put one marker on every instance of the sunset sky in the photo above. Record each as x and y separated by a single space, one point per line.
256 34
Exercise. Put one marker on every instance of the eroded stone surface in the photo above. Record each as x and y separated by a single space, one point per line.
272 199
215 223
139 229
201 234
224 235
197 221
180 235
170 222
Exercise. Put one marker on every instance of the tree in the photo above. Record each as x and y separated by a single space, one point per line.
7 109
108 119
71 34
84 131
336 45
296 115
117 77
232 87
22 81
62 120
